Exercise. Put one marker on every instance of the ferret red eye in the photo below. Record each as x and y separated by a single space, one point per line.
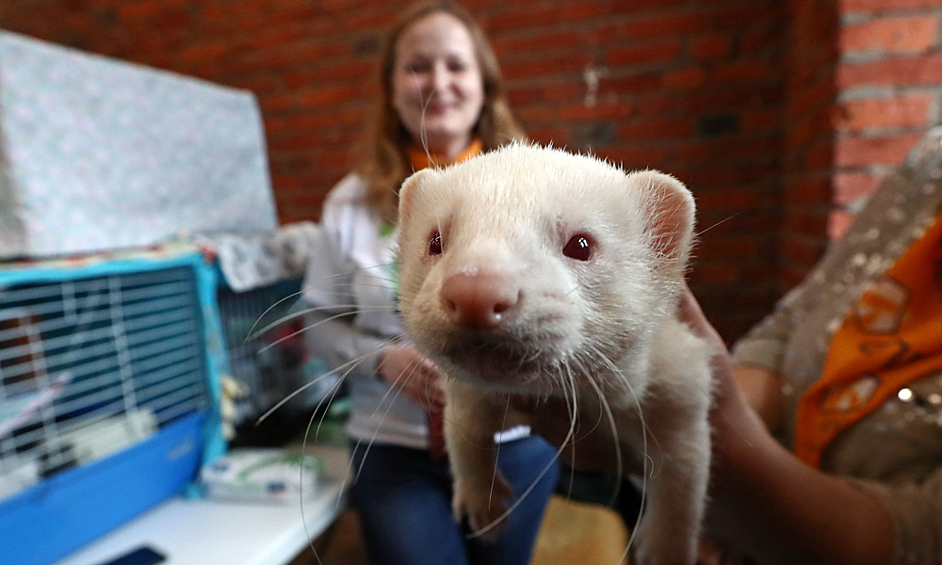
435 243
579 247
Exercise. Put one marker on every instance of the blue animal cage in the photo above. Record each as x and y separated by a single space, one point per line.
109 377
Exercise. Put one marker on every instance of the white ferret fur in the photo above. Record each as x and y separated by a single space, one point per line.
531 270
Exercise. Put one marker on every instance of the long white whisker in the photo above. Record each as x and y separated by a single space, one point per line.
646 459
288 398
503 426
413 365
312 326
269 309
532 486
423 133
607 409
377 428
379 425
309 286
329 397
349 365
723 221
573 420
288 317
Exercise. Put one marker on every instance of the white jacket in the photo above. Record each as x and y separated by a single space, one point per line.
354 277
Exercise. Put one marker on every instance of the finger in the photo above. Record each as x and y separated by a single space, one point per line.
689 312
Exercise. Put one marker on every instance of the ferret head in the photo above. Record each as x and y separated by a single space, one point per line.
531 266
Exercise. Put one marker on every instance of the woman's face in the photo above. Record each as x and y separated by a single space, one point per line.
437 87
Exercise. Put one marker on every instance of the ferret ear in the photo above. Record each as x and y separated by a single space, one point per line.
670 213
408 189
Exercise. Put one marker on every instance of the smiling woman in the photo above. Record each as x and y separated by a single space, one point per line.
394 145
441 101
438 91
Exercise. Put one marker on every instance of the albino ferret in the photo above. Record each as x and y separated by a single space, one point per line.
530 270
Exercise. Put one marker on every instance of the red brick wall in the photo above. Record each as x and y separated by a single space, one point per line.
735 98
865 79
889 89
809 138
693 87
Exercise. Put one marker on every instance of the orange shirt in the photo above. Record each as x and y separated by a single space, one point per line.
421 159
890 337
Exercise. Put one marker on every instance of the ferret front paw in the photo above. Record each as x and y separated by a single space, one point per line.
483 504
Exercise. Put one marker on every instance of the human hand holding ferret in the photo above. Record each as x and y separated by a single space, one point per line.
762 498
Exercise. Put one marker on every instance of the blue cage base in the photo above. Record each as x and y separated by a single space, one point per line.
59 515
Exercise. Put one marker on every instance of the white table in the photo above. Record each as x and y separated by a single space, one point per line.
210 532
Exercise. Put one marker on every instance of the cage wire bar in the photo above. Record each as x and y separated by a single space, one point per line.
93 365
270 365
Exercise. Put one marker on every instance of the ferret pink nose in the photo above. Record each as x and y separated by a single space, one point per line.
481 301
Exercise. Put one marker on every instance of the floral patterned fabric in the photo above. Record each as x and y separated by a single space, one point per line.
98 154
248 262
